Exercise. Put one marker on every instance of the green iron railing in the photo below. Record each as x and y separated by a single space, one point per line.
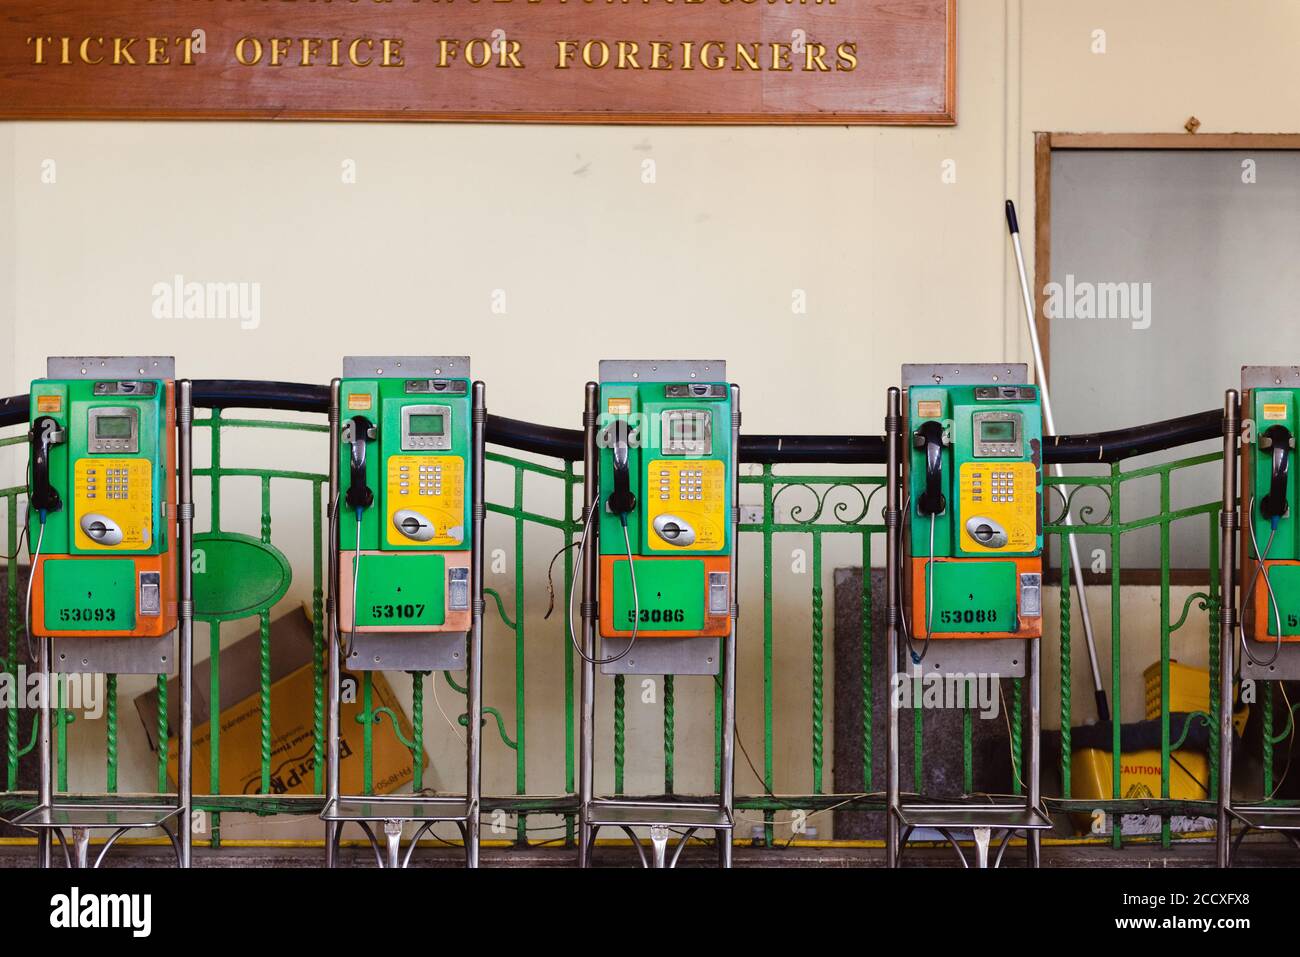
841 508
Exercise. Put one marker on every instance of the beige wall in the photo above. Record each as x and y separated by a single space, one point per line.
897 266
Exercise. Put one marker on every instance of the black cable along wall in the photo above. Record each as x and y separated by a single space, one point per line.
1103 447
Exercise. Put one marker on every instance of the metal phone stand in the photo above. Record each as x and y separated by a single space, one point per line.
990 824
1251 817
56 816
664 818
388 814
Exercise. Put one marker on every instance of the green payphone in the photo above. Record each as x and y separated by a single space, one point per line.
103 487
407 572
974 533
964 567
110 515
1270 530
658 561
1259 636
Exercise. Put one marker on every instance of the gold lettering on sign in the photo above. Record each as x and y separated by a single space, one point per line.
477 53
126 51
85 47
122 52
323 51
604 53
240 50
352 51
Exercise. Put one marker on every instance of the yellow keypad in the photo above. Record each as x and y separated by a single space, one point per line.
1007 494
121 491
432 486
693 491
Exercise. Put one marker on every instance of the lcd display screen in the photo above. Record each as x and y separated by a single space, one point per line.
113 427
997 430
427 424
683 429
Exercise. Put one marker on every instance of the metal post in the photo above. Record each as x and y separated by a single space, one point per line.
893 530
728 796
185 631
331 634
1228 522
45 840
474 738
587 690
1033 839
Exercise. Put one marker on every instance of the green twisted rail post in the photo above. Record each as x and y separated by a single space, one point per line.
818 668
620 731
521 766
110 732
318 642
1267 743
264 635
1017 736
865 649
1165 509
417 728
670 733
1067 718
162 732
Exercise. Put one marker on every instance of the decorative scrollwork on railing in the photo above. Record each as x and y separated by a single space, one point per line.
1205 720
843 512
1203 604
1085 512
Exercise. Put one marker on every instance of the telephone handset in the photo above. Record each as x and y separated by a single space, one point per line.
930 437
619 439
1280 442
45 433
357 432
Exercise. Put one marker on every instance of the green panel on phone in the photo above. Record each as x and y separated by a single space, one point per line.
89 596
401 590
670 593
971 596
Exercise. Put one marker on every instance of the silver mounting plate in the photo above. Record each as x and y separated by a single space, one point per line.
965 373
662 656
397 651
114 656
663 370
1285 668
110 367
1270 377
1004 657
405 367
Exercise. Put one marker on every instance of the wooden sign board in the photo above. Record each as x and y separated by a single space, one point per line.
579 61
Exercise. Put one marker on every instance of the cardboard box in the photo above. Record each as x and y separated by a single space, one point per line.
293 736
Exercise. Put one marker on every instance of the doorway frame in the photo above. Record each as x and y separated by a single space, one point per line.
1047 143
